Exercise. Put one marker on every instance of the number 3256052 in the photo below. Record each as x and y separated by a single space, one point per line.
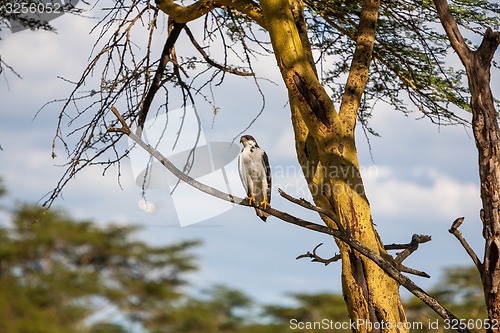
31 8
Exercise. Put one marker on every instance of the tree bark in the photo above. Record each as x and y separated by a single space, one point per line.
487 136
326 150
326 147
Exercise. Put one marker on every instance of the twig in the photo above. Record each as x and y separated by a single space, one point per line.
157 80
306 204
398 264
383 263
212 62
454 230
316 258
413 271
408 248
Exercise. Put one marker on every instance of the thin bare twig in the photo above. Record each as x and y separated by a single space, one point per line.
306 204
454 230
212 62
409 248
316 258
383 263
157 80
413 271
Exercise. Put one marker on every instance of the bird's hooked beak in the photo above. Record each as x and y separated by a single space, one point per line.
243 139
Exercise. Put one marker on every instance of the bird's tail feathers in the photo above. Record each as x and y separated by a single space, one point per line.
263 215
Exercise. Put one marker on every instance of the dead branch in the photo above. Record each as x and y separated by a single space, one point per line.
454 230
316 258
306 204
383 263
409 248
212 62
158 78
413 271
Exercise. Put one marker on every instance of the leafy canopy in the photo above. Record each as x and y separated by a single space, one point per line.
57 273
409 69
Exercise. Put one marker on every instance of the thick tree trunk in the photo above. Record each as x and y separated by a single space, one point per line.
326 147
487 135
326 151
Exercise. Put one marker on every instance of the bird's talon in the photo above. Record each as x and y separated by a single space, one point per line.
250 199
264 204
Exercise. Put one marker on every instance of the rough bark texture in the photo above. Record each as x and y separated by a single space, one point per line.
487 135
326 151
326 146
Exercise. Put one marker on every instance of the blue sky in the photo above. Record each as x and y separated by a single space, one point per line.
421 178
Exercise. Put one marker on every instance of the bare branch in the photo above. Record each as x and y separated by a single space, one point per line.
454 230
210 61
184 14
411 247
408 248
413 271
158 78
316 258
382 262
306 204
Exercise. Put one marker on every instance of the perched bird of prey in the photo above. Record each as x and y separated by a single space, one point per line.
255 174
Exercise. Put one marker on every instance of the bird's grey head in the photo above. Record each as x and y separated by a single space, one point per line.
248 140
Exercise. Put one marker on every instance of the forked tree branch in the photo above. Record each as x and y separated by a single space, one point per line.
158 78
454 230
184 14
384 264
486 50
316 258
361 59
398 262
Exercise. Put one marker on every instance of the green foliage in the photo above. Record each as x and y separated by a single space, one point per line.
221 310
410 53
55 273
312 309
461 291
58 275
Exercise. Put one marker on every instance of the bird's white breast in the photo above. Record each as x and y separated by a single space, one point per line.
251 160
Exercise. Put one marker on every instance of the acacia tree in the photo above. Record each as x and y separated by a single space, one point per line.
486 131
382 48
61 274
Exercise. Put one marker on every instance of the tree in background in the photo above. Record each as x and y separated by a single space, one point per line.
311 308
378 48
477 63
461 291
61 275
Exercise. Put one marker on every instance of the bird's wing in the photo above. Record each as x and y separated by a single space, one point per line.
267 168
243 172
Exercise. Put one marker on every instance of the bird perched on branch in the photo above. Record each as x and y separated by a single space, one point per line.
255 174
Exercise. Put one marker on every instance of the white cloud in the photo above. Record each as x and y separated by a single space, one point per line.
423 193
